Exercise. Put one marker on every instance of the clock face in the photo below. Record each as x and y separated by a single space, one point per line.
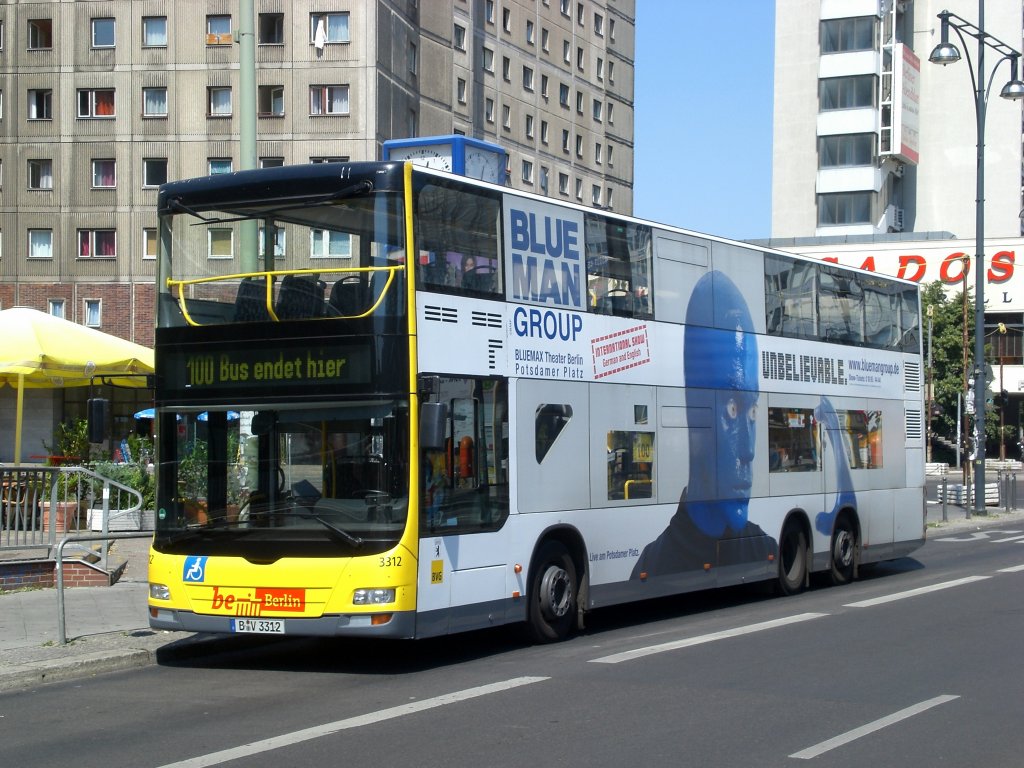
438 157
485 165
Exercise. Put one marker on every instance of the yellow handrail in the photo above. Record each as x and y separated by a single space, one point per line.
268 278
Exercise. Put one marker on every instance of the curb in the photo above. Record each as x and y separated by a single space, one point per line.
34 673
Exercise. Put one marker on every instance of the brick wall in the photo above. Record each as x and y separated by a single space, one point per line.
42 573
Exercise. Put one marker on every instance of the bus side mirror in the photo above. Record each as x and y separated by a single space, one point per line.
433 418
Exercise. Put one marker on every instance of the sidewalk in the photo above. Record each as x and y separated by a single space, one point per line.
107 627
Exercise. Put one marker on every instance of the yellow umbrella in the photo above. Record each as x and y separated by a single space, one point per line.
40 350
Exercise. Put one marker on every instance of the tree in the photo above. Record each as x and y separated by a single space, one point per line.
947 348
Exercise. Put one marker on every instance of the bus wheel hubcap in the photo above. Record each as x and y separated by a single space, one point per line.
555 593
843 551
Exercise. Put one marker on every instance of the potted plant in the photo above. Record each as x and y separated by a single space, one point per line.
192 481
70 447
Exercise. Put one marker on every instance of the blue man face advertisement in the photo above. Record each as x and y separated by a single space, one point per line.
721 367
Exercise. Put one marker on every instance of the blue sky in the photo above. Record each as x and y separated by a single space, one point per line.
703 102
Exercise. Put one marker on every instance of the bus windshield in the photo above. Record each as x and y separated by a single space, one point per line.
331 476
329 247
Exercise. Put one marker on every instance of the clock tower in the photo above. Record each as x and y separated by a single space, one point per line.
456 154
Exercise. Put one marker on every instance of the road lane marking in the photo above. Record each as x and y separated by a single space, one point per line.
649 650
914 592
877 725
976 536
306 734
1011 569
1012 538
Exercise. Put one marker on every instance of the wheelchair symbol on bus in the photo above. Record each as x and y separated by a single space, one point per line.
194 569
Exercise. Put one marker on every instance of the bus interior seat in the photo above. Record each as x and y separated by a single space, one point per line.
300 297
348 296
251 302
479 279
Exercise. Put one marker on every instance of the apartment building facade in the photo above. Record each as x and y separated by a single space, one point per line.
102 101
871 138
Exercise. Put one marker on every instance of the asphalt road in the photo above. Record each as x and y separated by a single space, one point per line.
915 665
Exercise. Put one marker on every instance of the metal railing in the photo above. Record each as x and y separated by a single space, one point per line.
38 504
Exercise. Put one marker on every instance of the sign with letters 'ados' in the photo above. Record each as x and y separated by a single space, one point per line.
544 254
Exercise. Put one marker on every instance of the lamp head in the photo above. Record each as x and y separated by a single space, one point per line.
945 52
1014 89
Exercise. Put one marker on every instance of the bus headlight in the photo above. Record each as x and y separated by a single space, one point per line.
159 591
373 596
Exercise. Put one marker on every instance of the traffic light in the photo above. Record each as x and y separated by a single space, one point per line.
1002 399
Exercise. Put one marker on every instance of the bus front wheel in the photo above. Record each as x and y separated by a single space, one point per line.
552 596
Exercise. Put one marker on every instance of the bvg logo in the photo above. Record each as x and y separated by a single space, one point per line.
259 602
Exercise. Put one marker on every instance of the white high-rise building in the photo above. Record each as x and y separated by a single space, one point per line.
871 138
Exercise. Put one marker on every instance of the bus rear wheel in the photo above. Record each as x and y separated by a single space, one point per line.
553 593
844 548
792 559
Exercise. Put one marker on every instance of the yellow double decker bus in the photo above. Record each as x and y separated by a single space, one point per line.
395 402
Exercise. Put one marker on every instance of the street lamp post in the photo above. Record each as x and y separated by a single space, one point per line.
947 53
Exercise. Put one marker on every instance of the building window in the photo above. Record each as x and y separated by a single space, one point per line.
610 148
563 94
611 72
489 11
154 171
328 159
544 131
40 34
579 102
544 86
40 104
529 126
218 30
563 183
600 68
279 241
564 6
220 243
506 20
856 34
411 58
56 307
270 29
328 99
528 171
2 29
608 197
529 32
271 162
328 28
270 101
154 102
545 38
846 92
93 313
844 208
489 110
149 242
598 109
461 90
611 113
599 25
579 189
154 31
104 174
506 117
581 14
218 165
459 37
528 78
566 51
488 60
102 33
40 243
40 173
218 101
846 150
598 154
595 194
328 244
506 69
580 58
579 146
97 242
96 103
565 139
